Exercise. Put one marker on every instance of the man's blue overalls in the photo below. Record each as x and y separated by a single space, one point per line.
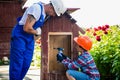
21 51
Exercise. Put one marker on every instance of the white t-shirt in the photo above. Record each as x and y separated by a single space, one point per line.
34 10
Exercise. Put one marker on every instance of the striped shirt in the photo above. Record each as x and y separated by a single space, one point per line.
84 62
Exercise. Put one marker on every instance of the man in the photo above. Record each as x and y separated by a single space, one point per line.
22 38
84 62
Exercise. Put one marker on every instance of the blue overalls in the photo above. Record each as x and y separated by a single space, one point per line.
21 50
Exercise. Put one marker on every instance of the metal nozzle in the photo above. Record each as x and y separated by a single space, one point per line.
59 49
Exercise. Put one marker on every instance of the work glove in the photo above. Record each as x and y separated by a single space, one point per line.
61 57
38 31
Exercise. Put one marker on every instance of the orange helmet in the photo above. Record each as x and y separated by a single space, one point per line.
84 41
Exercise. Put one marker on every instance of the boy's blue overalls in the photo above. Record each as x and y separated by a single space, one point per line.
21 51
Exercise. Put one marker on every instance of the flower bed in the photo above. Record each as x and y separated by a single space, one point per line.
106 50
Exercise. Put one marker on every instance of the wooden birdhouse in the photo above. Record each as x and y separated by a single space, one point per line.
57 32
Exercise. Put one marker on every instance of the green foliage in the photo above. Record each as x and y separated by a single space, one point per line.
37 56
4 61
106 52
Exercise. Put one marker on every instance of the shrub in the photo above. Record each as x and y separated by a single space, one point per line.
106 50
37 54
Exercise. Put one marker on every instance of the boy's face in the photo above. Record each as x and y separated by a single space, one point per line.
78 48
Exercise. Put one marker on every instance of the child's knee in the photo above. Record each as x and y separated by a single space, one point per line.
69 76
69 72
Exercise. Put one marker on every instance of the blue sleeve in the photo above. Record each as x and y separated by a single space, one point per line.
75 64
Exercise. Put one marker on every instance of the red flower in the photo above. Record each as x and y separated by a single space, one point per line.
107 26
98 38
99 27
105 32
38 41
88 30
103 28
94 34
95 29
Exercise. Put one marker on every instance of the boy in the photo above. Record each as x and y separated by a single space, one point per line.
84 62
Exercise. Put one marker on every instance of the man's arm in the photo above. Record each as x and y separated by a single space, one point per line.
28 27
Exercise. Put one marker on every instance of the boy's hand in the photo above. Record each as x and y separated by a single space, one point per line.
60 58
64 57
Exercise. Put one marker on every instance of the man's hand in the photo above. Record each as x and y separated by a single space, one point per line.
61 57
38 31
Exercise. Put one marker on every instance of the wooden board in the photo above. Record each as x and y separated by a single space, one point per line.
58 39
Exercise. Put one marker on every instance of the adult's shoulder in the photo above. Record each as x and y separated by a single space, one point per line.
35 10
35 6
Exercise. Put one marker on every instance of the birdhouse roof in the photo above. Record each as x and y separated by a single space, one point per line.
71 10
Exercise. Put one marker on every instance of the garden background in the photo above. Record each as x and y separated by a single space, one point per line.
105 50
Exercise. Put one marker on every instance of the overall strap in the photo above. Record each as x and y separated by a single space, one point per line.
40 22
